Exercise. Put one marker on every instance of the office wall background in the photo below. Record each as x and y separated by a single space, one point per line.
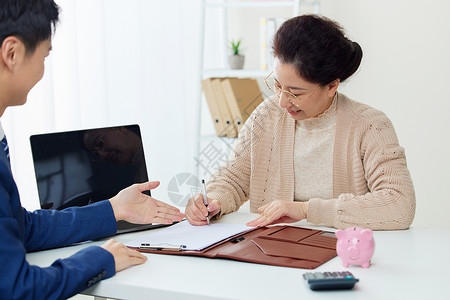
117 62
404 73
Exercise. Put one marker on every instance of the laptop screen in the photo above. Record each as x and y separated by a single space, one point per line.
77 168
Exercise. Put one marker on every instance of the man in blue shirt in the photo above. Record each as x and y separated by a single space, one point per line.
25 40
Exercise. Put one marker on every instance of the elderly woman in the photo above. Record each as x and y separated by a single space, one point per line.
310 152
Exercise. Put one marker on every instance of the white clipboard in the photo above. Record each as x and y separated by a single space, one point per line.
184 236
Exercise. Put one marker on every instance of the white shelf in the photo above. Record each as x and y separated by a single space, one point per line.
224 6
234 73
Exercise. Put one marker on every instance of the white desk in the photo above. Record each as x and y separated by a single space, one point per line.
411 264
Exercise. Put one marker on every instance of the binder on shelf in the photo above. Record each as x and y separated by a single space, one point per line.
216 114
243 96
223 106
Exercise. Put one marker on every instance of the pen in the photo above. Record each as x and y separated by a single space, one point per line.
162 247
205 201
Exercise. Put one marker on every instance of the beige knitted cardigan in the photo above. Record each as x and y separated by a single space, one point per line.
372 187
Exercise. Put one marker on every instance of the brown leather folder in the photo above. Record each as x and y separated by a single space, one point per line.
281 245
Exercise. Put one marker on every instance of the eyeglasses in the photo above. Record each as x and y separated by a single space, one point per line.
276 88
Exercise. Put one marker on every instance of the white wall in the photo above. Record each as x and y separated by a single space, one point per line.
405 73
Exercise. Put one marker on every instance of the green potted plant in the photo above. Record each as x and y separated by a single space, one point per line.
236 59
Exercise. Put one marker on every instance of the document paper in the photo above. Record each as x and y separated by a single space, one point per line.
189 236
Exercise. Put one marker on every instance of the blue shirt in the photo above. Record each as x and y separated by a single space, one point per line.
22 231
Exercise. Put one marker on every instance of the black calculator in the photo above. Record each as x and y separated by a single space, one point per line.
330 280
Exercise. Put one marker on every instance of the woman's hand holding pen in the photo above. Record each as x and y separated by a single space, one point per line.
196 212
280 211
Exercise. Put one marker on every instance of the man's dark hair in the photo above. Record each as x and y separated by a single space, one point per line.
318 49
32 21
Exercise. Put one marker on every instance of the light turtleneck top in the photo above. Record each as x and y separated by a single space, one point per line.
313 155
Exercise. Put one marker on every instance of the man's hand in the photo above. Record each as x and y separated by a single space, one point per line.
124 257
280 211
131 205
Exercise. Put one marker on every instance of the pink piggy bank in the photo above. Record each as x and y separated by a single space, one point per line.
355 246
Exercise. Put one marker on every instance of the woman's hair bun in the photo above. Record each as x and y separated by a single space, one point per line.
318 48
